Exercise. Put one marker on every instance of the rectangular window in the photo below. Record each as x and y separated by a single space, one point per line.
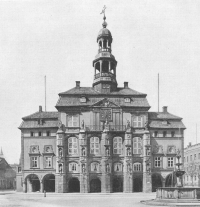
170 162
155 134
137 121
39 134
34 162
157 161
172 134
164 134
73 121
32 134
48 162
48 133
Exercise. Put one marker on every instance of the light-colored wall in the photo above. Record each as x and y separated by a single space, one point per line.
41 142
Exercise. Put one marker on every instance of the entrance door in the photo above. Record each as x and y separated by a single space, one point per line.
117 185
74 185
137 185
156 182
95 186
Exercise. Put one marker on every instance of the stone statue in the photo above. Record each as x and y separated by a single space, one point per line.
107 152
60 168
60 152
128 151
83 168
128 126
146 125
83 151
82 124
107 168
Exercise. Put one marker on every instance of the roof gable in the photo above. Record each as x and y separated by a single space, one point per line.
105 103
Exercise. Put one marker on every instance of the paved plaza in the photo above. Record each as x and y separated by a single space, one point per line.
12 199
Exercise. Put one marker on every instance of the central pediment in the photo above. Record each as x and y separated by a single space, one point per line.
105 102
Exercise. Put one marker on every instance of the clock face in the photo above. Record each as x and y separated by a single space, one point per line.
106 114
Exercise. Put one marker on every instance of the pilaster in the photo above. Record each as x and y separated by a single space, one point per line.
147 183
127 171
84 184
106 162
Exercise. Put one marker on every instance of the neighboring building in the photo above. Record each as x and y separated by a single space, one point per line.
102 139
192 165
7 174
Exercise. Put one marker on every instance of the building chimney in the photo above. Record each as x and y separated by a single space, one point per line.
125 84
40 108
190 144
77 84
164 109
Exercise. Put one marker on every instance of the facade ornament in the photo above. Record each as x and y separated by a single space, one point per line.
146 125
60 152
107 151
128 126
83 151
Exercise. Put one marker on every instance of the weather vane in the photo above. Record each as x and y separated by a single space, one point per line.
103 10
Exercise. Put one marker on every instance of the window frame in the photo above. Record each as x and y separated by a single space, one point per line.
74 119
45 162
156 161
32 162
136 122
72 165
137 167
120 168
136 147
93 145
117 149
73 149
170 162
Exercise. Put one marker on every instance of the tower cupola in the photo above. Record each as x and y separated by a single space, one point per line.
104 63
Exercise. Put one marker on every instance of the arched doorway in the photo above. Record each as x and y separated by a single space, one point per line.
95 186
117 185
33 183
74 185
156 182
170 180
137 185
49 183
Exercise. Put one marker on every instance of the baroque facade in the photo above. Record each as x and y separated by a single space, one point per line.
102 139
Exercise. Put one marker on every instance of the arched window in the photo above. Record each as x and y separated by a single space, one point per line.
73 146
95 167
94 145
118 167
137 145
137 167
137 121
73 166
117 145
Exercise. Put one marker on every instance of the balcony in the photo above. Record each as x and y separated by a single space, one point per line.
104 76
101 128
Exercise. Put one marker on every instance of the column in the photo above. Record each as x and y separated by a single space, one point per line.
127 172
147 183
109 66
24 187
105 163
41 186
101 62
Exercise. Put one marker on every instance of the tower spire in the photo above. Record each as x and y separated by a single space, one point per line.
104 17
1 153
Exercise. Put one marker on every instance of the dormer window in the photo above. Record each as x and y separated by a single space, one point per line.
39 134
127 100
83 99
40 122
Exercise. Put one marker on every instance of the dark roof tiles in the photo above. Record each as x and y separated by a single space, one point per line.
167 124
162 115
42 115
34 124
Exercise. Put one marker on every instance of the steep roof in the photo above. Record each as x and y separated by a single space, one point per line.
32 124
167 125
162 115
42 115
75 101
91 91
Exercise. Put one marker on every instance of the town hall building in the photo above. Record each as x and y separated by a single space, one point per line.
101 138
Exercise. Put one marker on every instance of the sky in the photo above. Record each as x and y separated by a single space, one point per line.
58 39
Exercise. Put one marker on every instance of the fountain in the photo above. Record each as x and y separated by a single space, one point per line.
178 193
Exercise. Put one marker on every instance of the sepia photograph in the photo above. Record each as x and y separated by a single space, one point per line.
99 103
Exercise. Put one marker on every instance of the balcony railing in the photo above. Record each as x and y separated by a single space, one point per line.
101 128
98 75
